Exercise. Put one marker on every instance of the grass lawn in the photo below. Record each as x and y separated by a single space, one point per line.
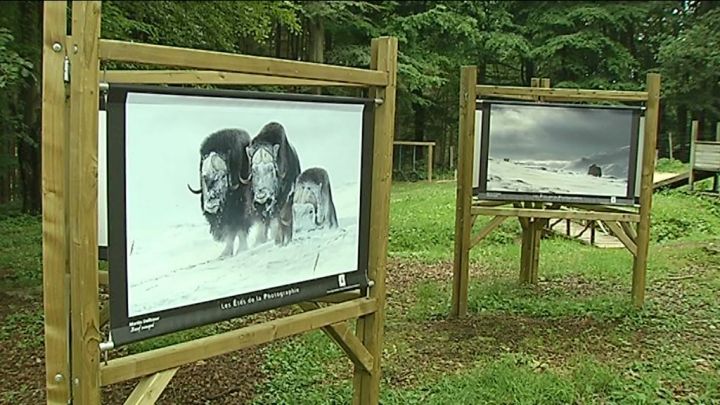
574 338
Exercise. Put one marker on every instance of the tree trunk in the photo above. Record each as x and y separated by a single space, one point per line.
684 130
29 146
316 26
420 127
316 52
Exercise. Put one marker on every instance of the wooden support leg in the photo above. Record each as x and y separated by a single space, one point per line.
430 163
82 212
539 227
463 217
55 243
530 253
370 328
694 130
646 190
526 251
150 388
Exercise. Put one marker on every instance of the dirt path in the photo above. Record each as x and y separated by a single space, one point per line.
227 379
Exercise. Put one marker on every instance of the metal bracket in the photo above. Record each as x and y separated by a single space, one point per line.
109 345
104 88
379 101
66 70
105 346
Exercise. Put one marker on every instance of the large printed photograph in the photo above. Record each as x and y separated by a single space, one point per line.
225 196
557 150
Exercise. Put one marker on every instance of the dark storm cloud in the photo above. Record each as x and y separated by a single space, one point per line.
556 133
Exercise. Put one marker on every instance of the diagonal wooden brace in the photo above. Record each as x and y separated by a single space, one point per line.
150 388
346 339
485 231
626 240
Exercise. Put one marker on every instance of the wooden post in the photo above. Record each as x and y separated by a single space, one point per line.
463 225
370 327
54 186
430 162
532 233
693 138
82 189
716 182
646 189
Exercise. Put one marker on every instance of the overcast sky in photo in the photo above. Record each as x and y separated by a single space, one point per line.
527 132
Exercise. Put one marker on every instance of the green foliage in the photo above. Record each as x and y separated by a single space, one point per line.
666 165
299 368
13 67
24 328
221 25
20 251
691 64
514 378
428 234
574 338
680 215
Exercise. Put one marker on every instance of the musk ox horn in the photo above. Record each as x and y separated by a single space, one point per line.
194 191
245 181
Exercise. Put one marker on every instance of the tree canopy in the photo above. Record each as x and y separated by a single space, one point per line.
579 44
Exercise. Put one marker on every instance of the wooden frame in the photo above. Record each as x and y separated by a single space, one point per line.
704 157
429 145
73 315
535 217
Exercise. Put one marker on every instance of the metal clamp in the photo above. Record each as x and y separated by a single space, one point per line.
105 346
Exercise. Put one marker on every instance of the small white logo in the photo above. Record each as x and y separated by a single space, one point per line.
341 280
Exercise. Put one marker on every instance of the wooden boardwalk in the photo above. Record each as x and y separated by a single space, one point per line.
602 239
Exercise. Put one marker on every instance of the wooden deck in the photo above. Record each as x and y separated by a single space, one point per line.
602 239
675 180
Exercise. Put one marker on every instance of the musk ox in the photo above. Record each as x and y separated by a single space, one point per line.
595 170
224 199
313 205
274 166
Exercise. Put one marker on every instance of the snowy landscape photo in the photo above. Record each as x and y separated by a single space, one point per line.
558 150
229 196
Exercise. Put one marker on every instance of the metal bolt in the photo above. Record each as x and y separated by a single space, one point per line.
75 49
77 381
57 47
59 378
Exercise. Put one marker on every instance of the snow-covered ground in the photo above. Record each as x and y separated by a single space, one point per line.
190 272
172 259
534 177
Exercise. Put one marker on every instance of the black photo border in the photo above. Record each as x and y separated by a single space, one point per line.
629 199
223 308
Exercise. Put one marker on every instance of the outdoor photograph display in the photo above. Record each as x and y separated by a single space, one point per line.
223 203
102 182
556 152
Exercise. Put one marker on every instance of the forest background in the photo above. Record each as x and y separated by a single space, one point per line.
600 45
